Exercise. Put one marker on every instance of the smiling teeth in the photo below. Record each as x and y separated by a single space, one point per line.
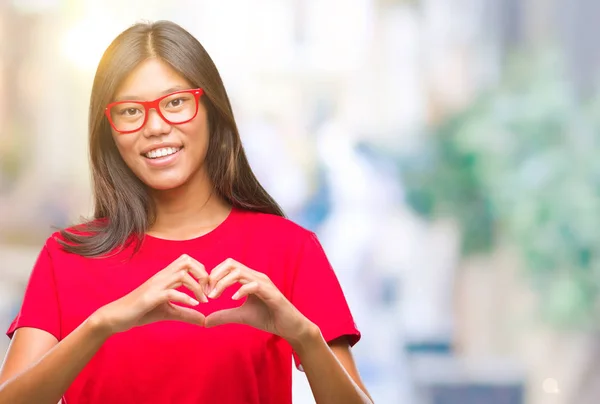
165 151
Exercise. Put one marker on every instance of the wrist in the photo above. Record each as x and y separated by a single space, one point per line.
307 336
99 325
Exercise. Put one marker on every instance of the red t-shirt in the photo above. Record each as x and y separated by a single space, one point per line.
174 362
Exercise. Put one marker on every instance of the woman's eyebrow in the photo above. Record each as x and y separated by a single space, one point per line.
136 98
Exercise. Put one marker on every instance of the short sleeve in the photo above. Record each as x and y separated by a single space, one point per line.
317 293
39 308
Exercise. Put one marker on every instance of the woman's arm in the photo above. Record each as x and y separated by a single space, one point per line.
28 379
330 369
41 382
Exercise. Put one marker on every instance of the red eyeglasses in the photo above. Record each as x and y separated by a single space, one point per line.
175 108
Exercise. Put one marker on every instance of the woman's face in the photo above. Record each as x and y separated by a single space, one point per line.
161 155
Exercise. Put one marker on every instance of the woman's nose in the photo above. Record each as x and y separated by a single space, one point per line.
155 125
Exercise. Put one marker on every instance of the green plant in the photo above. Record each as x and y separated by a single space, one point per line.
521 164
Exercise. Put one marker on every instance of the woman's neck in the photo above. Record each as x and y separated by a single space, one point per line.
188 211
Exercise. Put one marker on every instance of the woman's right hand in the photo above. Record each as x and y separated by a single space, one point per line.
154 300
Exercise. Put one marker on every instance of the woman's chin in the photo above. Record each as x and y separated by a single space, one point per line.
169 180
164 185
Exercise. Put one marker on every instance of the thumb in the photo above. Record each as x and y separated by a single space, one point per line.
186 315
221 317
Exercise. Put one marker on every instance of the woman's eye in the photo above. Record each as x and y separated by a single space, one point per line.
176 102
129 111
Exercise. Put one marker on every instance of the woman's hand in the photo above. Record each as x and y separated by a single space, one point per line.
155 299
266 308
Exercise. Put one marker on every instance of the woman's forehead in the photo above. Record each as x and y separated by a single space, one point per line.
149 80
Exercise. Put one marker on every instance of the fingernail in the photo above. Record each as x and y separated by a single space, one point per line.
194 302
235 296
212 293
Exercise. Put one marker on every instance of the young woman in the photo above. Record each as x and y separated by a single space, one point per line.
189 285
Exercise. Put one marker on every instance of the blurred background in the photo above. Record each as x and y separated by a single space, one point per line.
443 150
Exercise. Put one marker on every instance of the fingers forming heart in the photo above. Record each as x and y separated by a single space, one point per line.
226 274
254 286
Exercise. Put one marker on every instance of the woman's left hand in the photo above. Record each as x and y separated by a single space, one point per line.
266 308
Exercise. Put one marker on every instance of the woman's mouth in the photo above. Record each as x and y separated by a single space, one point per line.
163 157
162 152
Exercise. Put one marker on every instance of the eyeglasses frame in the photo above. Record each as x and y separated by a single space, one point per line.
155 104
